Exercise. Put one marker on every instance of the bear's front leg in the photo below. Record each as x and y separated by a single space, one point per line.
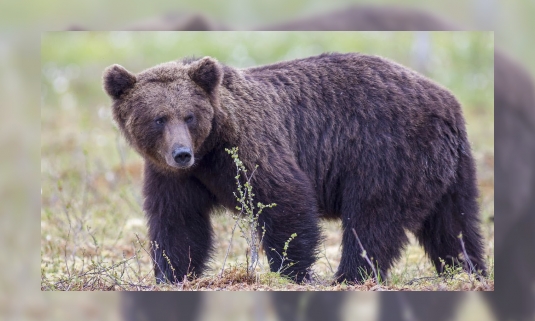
177 210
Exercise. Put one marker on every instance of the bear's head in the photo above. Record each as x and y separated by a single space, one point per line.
166 112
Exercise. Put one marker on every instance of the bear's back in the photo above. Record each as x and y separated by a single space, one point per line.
352 80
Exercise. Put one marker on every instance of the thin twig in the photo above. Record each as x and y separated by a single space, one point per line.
365 256
471 265
228 248
150 255
325 255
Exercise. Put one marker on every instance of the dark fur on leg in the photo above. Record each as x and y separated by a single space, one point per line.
179 226
455 214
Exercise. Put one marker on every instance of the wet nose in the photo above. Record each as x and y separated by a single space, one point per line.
182 155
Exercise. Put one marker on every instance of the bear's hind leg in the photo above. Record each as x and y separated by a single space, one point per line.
441 231
381 236
455 213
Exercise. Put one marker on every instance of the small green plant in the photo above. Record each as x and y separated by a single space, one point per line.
287 244
247 217
450 270
274 279
284 256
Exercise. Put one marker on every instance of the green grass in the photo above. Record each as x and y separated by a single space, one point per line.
93 230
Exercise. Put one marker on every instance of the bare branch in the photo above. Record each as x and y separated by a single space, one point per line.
365 256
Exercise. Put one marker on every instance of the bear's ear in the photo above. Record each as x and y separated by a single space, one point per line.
117 80
207 73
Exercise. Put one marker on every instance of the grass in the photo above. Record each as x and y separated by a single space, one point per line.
93 232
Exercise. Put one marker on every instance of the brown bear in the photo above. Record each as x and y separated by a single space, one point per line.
348 136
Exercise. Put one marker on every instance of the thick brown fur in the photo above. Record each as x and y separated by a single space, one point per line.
347 136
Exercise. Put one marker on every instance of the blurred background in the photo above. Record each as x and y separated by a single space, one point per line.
21 78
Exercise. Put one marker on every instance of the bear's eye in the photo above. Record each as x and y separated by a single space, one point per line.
159 121
188 119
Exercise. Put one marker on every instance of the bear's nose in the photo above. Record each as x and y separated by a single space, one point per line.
182 155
